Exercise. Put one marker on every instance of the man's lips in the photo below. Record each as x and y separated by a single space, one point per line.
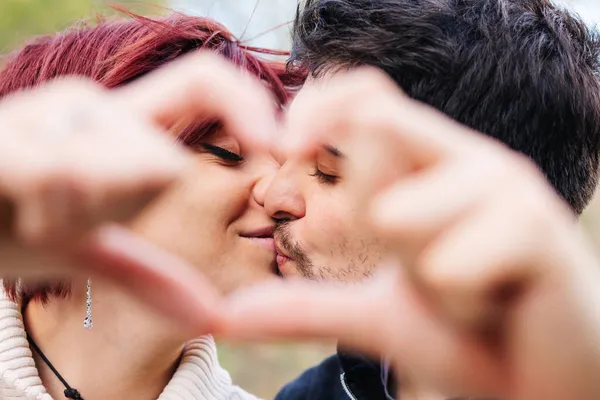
282 257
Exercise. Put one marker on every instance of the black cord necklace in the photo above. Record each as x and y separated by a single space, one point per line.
70 393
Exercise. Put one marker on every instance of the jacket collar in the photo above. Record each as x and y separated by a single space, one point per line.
361 376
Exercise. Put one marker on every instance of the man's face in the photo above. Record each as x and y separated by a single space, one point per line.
317 235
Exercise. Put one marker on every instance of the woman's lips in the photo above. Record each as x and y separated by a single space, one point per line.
262 237
266 242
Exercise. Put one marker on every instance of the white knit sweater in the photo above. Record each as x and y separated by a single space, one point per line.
198 377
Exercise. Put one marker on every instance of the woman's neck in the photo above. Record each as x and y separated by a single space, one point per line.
131 352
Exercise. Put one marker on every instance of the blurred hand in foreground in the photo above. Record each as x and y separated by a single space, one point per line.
492 291
75 157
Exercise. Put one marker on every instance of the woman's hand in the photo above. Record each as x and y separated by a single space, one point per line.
496 293
74 157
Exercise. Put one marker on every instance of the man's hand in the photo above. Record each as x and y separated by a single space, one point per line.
497 291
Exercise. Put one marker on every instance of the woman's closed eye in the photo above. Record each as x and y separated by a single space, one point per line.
222 153
323 177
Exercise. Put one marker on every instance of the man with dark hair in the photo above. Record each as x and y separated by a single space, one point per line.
521 71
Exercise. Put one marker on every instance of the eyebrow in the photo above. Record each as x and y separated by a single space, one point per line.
334 151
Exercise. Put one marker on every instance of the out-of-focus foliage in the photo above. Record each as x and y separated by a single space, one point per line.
22 19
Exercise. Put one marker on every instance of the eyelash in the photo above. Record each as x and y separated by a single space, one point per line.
324 178
222 153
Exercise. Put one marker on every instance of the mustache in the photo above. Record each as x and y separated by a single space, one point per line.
292 247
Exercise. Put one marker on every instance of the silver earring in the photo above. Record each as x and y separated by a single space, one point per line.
87 322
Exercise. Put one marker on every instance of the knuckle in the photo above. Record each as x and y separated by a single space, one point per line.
362 87
525 167
429 263
373 79
210 59
530 199
208 64
71 87
506 170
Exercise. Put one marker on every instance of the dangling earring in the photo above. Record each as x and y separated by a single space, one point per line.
87 322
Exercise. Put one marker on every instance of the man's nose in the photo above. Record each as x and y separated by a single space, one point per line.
283 198
265 175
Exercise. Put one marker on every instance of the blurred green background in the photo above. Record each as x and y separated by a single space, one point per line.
21 19
260 369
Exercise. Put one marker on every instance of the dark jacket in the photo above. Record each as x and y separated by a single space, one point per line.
343 376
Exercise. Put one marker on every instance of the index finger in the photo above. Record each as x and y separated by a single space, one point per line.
203 84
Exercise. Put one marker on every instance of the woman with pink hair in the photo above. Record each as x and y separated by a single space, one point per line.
77 339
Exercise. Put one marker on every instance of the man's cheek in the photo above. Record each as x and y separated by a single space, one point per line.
328 227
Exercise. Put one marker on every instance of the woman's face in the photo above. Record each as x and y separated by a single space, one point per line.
215 218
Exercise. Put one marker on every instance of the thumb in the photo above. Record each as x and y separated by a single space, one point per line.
307 310
384 316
